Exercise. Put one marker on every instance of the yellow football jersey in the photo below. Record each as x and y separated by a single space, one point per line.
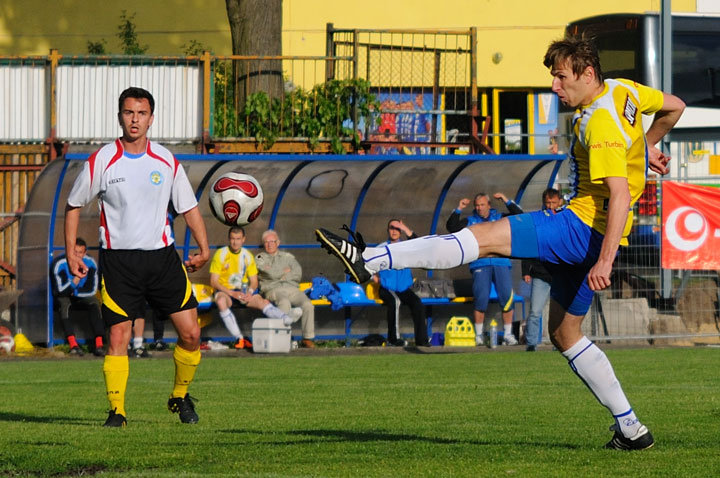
232 268
609 141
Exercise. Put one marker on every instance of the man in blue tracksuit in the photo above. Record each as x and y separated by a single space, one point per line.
69 290
497 270
395 289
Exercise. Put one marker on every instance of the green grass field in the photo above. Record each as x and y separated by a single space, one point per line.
331 413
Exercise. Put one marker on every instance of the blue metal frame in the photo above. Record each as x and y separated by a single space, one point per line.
51 248
198 195
363 192
353 157
281 193
443 194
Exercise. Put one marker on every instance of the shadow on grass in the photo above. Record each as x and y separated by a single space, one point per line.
325 436
20 417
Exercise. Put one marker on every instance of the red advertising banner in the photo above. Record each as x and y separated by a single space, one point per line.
691 226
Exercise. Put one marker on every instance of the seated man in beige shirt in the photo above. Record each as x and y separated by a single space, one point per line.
279 275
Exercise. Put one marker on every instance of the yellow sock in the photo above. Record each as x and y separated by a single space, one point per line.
186 363
116 370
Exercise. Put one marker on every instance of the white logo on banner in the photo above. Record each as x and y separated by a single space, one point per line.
690 221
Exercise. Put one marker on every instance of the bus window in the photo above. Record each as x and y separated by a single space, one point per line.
696 68
618 40
629 46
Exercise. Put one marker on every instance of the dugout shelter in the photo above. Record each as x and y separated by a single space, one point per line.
302 192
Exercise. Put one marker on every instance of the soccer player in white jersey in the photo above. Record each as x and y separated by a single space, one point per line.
135 180
609 157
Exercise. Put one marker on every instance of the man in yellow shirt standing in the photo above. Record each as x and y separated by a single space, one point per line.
233 275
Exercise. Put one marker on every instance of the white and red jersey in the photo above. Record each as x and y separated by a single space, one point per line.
134 193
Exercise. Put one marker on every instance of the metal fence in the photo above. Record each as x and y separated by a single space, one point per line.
273 96
74 98
24 99
382 86
88 88
425 82
19 166
649 304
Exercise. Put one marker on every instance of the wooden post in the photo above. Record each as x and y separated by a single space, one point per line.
54 59
207 107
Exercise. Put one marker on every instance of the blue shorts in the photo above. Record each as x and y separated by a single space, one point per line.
483 277
568 248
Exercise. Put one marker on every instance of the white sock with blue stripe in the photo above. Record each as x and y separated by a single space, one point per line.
228 319
427 252
594 369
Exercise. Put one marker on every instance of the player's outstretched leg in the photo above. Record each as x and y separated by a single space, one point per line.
427 252
349 253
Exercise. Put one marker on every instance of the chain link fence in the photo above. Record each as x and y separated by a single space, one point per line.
424 81
649 304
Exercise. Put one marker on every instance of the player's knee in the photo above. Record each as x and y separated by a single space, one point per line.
189 337
257 302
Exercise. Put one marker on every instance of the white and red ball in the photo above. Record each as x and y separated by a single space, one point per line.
7 344
236 199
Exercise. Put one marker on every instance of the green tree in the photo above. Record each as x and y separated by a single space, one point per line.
194 48
97 47
128 35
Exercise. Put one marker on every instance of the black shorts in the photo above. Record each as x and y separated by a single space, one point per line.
132 277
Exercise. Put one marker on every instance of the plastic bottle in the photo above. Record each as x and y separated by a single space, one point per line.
493 334
244 286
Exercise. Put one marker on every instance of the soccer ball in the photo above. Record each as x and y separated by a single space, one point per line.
7 344
236 199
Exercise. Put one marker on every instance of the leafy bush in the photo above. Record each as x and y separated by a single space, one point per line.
325 111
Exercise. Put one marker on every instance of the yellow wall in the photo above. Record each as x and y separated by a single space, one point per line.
33 27
519 29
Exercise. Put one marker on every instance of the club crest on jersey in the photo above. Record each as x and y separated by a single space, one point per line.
156 178
630 111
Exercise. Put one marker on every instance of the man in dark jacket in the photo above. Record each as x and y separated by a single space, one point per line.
395 289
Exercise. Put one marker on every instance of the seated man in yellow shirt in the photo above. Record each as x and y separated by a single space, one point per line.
233 275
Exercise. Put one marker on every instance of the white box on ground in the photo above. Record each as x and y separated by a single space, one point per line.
270 336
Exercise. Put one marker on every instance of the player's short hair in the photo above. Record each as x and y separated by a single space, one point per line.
137 93
235 230
79 241
391 221
550 193
580 51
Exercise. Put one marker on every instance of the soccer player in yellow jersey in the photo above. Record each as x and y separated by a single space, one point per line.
609 158
233 275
